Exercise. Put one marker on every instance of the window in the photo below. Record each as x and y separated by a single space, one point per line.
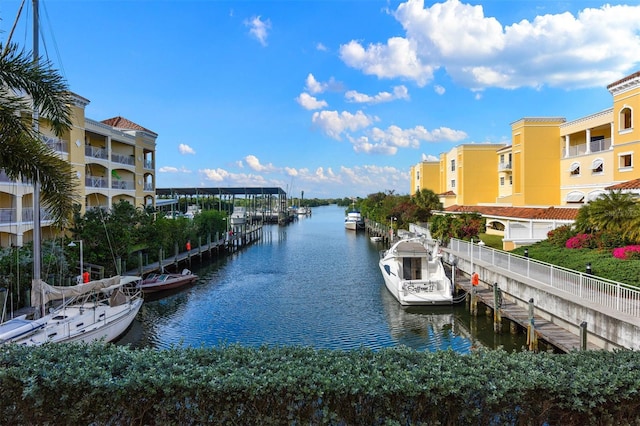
418 175
511 180
501 158
453 183
625 118
575 197
597 166
574 169
453 165
502 181
626 161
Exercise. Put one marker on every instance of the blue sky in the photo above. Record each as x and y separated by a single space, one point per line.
336 98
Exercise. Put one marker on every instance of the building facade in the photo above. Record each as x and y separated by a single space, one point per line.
550 163
113 160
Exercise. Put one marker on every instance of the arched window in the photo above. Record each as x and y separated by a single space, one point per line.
626 118
574 169
597 166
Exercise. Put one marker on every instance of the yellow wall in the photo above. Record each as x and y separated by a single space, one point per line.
537 151
626 141
425 175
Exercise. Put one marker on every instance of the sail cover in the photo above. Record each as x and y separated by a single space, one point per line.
42 293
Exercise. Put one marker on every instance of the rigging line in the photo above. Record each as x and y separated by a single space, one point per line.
13 28
53 38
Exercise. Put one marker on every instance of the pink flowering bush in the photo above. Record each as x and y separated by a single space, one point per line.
627 252
579 241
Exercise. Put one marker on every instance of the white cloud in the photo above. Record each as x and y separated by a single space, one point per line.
254 163
309 102
321 47
259 29
478 51
429 157
171 169
333 124
315 87
439 89
185 149
399 92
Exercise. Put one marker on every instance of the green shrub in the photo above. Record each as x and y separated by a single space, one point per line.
106 384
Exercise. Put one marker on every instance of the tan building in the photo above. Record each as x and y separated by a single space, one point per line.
114 160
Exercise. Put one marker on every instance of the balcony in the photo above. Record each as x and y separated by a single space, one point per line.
504 167
595 146
56 144
94 152
148 186
9 215
129 160
148 164
123 184
95 182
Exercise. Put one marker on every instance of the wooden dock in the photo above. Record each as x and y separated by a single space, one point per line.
554 335
226 244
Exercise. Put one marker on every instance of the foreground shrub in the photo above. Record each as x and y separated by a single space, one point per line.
107 384
560 235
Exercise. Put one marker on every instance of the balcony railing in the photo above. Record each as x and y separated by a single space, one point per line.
5 179
595 146
55 144
504 166
148 164
123 184
95 182
123 159
9 215
94 152
148 186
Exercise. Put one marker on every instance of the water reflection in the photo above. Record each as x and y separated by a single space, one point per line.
311 283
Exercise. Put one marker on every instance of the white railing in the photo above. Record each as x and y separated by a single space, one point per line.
610 294
594 146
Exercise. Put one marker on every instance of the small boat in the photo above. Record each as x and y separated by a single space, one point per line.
375 239
414 275
161 282
97 310
354 221
239 216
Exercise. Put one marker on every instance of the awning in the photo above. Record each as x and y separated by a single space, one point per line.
595 194
575 197
597 163
574 167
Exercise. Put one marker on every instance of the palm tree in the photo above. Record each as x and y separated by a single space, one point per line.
614 212
24 85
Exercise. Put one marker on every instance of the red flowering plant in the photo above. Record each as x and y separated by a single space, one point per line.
627 252
579 241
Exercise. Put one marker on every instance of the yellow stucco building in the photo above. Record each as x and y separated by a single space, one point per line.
113 160
550 169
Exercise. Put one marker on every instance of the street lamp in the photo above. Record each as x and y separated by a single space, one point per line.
73 244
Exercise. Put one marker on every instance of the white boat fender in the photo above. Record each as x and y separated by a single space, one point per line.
186 272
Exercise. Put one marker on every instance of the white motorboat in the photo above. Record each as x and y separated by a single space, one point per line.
97 310
239 216
414 275
354 221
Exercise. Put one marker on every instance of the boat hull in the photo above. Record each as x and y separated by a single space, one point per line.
170 284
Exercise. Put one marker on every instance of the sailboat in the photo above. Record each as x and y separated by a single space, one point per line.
98 310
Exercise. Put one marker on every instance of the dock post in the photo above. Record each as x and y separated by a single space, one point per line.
160 254
474 302
140 266
497 315
583 336
532 338
176 251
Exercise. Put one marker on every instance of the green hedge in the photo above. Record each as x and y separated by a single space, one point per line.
100 384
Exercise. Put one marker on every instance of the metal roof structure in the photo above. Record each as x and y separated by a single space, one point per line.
220 191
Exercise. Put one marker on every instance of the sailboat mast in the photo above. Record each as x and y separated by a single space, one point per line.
37 254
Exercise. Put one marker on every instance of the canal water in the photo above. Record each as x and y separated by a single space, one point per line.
310 283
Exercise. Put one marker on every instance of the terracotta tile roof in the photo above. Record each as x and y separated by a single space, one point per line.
541 213
123 123
630 184
447 194
622 80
